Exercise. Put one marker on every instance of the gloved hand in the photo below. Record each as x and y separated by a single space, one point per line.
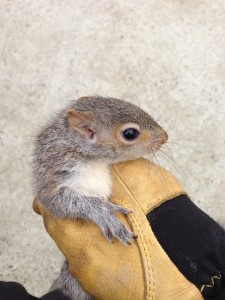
112 270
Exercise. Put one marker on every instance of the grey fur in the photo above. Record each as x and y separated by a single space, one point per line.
70 285
60 151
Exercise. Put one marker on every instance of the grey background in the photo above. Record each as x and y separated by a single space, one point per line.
166 55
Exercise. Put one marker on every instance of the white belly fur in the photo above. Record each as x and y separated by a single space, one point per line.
91 179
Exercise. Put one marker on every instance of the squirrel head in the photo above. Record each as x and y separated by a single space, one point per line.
114 130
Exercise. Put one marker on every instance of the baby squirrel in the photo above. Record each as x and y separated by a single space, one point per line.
72 161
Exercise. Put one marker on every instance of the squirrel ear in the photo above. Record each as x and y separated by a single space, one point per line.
82 122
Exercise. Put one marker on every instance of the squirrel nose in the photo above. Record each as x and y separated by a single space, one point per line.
164 138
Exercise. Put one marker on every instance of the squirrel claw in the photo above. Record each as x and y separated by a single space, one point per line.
108 234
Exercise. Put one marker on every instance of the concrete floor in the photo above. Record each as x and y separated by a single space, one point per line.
167 55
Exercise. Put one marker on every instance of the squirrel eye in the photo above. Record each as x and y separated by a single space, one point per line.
130 134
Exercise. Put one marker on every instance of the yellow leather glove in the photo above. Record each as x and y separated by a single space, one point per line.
112 270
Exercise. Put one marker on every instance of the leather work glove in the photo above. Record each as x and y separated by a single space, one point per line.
143 270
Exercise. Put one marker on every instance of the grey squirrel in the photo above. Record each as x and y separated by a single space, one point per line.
72 159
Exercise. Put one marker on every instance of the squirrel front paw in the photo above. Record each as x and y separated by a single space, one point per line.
111 226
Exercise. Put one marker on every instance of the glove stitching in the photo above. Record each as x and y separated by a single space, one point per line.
143 242
217 277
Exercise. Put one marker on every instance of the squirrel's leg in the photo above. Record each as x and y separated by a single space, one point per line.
70 286
66 203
